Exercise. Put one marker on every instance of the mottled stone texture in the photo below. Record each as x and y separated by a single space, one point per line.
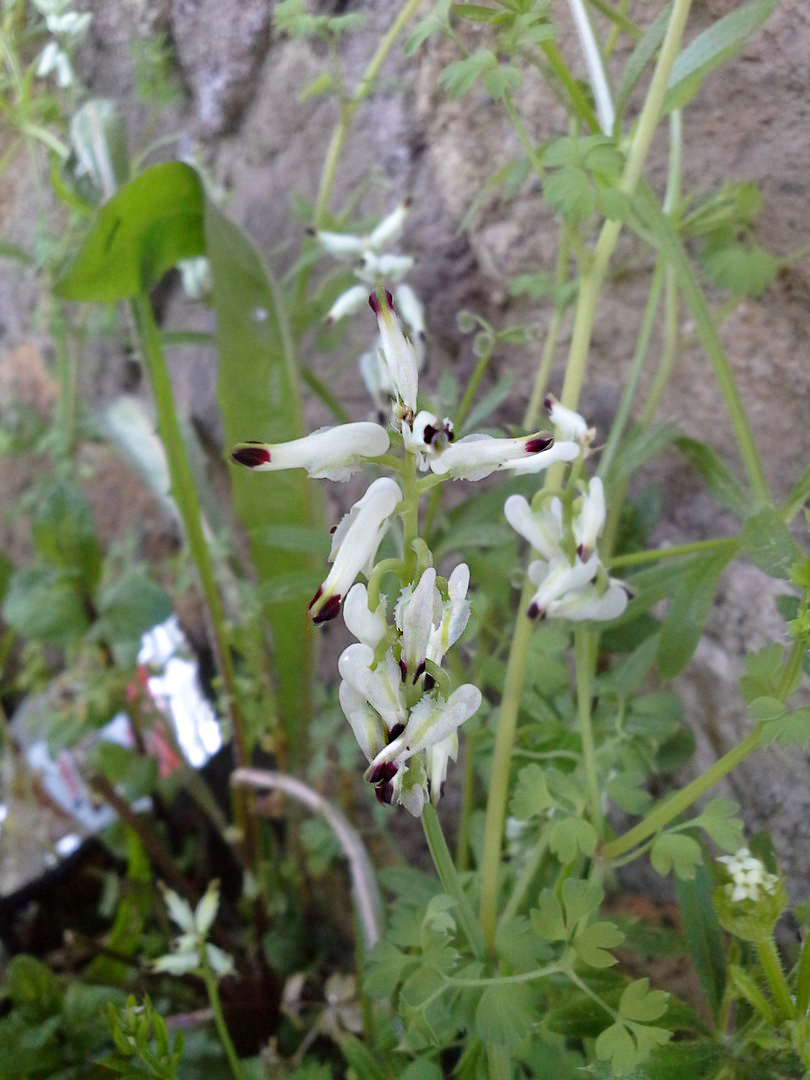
750 121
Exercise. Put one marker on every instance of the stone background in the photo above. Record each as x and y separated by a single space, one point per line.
242 117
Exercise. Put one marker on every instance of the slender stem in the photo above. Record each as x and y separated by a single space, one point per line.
584 666
772 966
506 980
550 344
619 19
579 101
499 782
467 799
450 880
471 388
669 351
352 105
529 148
212 990
633 375
639 557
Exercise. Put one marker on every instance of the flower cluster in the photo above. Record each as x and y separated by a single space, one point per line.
394 693
191 951
397 699
571 581
748 876
67 27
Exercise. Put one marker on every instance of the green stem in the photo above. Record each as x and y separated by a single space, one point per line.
212 990
499 781
448 875
579 101
467 801
529 149
669 351
500 1062
469 393
550 344
583 660
636 558
772 966
619 19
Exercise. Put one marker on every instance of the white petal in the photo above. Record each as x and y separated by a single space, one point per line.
454 616
339 244
430 722
179 910
476 456
562 577
385 267
367 626
390 228
569 423
220 963
48 59
543 528
560 451
207 910
377 378
380 687
438 758
410 308
366 725
332 453
415 618
591 518
586 603
413 798
354 545
176 963
347 303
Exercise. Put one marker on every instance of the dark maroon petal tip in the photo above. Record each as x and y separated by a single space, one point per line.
533 611
395 732
628 592
403 670
329 611
382 774
374 303
430 682
385 794
548 404
251 456
310 231
538 444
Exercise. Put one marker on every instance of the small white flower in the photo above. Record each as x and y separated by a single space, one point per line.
398 354
333 453
346 244
354 546
70 24
454 615
388 267
410 308
590 519
748 876
588 603
476 456
54 59
190 951
556 578
380 686
366 723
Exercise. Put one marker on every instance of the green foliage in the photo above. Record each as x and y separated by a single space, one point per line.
292 17
143 1048
687 613
719 479
703 935
768 544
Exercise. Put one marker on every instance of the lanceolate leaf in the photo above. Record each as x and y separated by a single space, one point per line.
703 934
258 396
137 236
687 613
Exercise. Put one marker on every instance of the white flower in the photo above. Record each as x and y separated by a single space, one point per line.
354 546
398 353
54 59
556 578
70 24
542 528
589 603
347 244
476 456
410 308
380 686
748 876
195 277
590 519
390 228
333 453
389 267
190 951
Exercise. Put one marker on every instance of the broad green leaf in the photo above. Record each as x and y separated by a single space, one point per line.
720 821
438 21
591 944
387 966
64 533
675 851
793 729
639 1002
703 934
474 12
571 835
642 54
569 193
722 483
626 1045
687 614
531 797
501 80
152 223
768 544
458 78
763 674
744 269
711 49
626 677
360 1058
45 603
627 791
505 1015
31 983
293 538
518 946
258 398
